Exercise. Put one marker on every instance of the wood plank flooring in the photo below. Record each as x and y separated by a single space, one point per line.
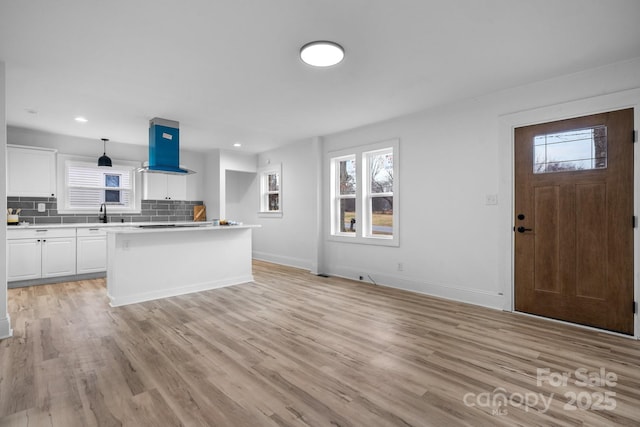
293 349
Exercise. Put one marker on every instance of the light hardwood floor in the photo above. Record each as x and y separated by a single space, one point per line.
293 349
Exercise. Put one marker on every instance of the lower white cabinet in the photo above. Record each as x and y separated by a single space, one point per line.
24 259
40 253
91 250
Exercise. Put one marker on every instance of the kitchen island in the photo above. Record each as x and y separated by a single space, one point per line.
151 262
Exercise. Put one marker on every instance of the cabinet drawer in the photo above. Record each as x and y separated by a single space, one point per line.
93 231
30 233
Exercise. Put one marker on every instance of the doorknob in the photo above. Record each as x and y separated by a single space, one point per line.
521 229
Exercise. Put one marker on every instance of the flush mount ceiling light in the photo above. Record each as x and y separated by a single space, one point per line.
104 160
81 119
322 53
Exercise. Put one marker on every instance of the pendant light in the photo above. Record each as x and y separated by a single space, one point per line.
104 160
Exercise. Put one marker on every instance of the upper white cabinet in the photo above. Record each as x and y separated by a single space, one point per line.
31 172
160 186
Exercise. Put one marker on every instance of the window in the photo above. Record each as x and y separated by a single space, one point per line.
364 200
112 196
579 149
271 191
379 194
346 194
87 186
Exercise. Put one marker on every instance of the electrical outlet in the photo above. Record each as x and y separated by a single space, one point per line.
400 266
491 199
41 207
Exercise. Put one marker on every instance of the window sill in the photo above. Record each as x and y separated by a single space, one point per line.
373 241
269 214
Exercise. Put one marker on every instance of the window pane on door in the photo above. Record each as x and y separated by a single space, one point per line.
579 149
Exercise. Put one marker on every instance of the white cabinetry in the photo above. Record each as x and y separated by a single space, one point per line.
92 250
24 259
161 186
40 253
31 172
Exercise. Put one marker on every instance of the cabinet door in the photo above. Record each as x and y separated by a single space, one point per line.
58 256
154 186
23 259
177 187
161 186
31 172
92 254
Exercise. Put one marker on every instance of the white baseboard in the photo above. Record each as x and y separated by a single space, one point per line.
471 296
282 260
5 328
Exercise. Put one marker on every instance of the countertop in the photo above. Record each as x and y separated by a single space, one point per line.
137 230
108 225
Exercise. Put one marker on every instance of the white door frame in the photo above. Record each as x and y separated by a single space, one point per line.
568 110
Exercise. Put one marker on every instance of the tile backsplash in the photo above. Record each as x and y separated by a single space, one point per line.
151 210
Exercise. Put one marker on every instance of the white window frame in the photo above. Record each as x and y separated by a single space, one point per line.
62 199
264 191
337 197
364 195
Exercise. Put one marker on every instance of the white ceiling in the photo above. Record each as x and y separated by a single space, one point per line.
229 71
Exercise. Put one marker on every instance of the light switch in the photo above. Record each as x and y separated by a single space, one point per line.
42 207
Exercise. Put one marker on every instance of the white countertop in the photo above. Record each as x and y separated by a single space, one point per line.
103 225
137 230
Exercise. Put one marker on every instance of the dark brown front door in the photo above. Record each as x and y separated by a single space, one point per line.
574 220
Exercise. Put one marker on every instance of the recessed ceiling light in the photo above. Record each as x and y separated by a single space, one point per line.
322 53
237 144
81 119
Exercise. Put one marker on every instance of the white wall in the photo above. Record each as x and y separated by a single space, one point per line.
217 163
292 238
5 322
66 144
241 202
211 177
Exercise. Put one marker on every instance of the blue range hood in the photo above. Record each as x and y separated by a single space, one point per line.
164 148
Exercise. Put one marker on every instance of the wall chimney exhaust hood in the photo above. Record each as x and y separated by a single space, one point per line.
164 148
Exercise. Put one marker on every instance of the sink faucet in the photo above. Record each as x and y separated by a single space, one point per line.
103 217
